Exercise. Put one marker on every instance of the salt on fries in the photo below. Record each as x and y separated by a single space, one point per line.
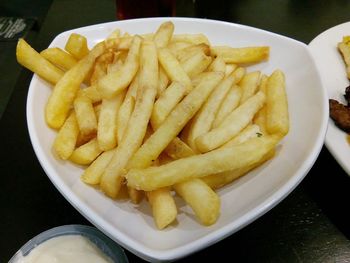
160 114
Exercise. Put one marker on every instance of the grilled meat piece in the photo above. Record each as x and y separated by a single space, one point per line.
340 115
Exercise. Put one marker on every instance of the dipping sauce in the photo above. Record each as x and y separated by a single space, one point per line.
66 249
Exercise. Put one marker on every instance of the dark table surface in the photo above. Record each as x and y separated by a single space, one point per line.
310 225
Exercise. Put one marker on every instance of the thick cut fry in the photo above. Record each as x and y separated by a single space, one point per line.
344 49
163 207
249 132
229 69
115 82
77 46
249 85
187 52
218 180
91 93
217 161
260 117
175 47
230 103
137 125
173 68
124 114
92 174
201 198
196 64
59 57
241 55
174 123
29 58
100 68
107 123
218 64
136 196
86 116
66 138
64 93
191 38
178 149
232 125
164 34
86 153
203 120
163 82
277 119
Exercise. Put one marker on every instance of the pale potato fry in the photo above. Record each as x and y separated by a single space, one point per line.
202 121
216 161
32 60
85 114
344 49
163 82
178 149
174 123
136 196
229 68
175 47
66 138
59 57
164 34
230 103
100 68
241 55
86 153
173 68
115 34
77 46
218 64
107 123
232 125
277 116
190 38
163 207
184 53
201 198
113 176
260 117
64 93
196 64
249 132
92 174
90 92
249 85
124 114
115 82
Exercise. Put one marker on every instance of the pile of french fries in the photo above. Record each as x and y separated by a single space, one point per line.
161 114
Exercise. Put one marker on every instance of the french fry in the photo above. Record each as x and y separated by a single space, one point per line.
85 114
163 82
113 176
90 92
187 52
216 161
201 198
232 125
77 46
196 64
249 132
277 116
230 103
229 68
175 47
174 123
66 138
100 68
115 34
59 57
163 207
218 64
191 38
260 117
65 91
136 196
241 55
107 123
32 60
178 149
86 153
173 68
164 34
124 114
115 82
249 85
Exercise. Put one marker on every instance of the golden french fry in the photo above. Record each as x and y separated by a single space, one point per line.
191 38
174 123
86 153
249 85
218 64
187 52
100 68
249 132
164 34
113 176
230 103
86 116
59 57
173 68
175 47
32 60
216 161
163 207
66 138
344 49
178 149
196 64
64 93
77 46
241 55
201 198
136 196
163 82
229 68
260 117
90 92
92 174
124 114
107 123
115 82
277 116
232 125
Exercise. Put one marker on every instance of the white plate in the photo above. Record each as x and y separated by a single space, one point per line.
244 200
333 75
